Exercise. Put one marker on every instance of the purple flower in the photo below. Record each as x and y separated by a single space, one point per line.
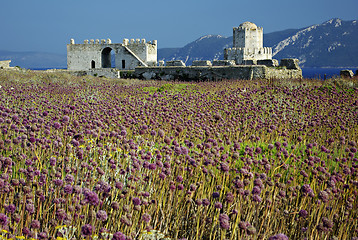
87 230
218 205
256 198
224 167
323 195
35 224
152 166
119 236
136 201
92 198
306 189
101 215
179 178
224 221
216 194
3 219
256 190
69 178
65 119
146 217
30 208
303 213
279 236
56 125
10 208
42 235
68 189
206 202
58 182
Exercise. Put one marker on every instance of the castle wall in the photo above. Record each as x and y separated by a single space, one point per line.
216 73
96 54
5 64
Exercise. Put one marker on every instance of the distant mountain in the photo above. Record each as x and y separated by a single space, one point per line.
34 60
331 44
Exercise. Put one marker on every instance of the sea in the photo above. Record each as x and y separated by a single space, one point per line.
323 73
310 73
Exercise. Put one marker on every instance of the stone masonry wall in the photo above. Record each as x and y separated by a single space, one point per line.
216 73
5 64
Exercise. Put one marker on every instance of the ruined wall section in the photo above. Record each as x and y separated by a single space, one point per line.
80 56
200 73
96 54
5 64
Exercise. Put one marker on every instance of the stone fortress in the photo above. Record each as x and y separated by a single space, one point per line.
247 59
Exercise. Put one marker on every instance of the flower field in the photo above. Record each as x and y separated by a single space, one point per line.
91 158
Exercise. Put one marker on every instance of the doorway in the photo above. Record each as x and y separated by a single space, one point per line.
93 64
107 57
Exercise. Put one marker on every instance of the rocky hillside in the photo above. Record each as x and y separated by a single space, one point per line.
331 44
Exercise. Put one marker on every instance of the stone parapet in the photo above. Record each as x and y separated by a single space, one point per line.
268 62
201 63
223 63
175 63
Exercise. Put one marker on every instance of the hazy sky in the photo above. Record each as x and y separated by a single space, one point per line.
48 25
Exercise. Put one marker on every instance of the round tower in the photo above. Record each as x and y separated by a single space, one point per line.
248 35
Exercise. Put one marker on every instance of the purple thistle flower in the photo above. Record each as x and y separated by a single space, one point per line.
119 236
53 161
229 197
136 201
206 202
152 166
10 208
256 190
216 195
256 198
92 198
303 213
68 189
146 217
35 224
87 229
306 189
69 178
218 205
224 221
30 208
56 125
224 167
179 178
279 236
3 220
42 235
324 196
180 187
61 214
115 205
101 215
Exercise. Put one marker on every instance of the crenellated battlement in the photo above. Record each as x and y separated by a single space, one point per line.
138 41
